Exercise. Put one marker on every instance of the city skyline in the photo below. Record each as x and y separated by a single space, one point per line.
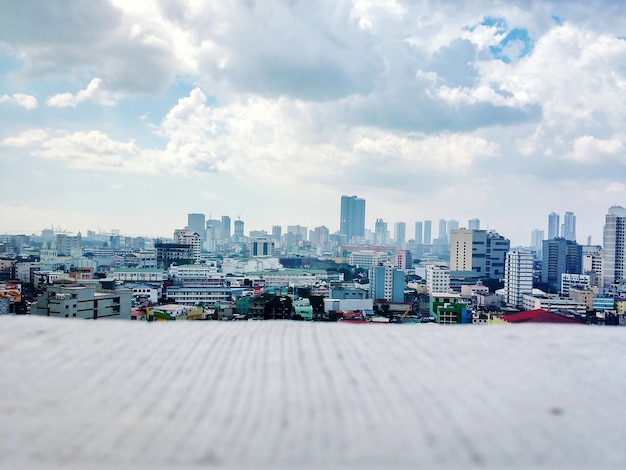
130 115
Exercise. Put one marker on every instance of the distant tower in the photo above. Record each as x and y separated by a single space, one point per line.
473 224
380 232
225 228
277 232
443 230
419 233
569 226
195 223
536 241
238 235
352 220
428 232
614 254
400 234
554 227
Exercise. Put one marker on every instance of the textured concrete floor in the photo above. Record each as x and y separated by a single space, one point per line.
116 394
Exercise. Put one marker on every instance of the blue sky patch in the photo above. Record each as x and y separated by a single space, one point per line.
515 45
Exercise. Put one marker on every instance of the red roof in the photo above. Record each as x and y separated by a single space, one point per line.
538 316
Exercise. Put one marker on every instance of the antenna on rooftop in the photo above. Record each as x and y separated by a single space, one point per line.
240 212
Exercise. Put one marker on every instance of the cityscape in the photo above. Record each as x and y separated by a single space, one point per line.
214 269
318 234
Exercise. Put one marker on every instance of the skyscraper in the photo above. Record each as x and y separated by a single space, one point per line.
554 226
559 256
473 224
569 226
419 233
443 231
380 232
195 223
225 228
238 235
400 233
614 254
428 232
461 249
536 241
518 277
352 220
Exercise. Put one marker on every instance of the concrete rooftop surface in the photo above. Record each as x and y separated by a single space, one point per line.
285 394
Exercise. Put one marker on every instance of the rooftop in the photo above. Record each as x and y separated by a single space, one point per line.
281 394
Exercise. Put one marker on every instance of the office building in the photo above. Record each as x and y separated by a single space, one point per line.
473 224
225 228
554 225
559 256
443 231
419 233
614 253
277 231
428 232
77 301
461 249
238 236
196 223
381 236
400 234
352 218
536 241
437 279
386 282
568 230
518 277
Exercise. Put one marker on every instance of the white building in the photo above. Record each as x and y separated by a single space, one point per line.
367 258
552 302
461 249
437 279
574 281
518 277
137 275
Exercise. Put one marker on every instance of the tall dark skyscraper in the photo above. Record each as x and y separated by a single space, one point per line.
352 222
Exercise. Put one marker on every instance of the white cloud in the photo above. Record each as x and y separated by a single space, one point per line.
590 149
93 92
20 99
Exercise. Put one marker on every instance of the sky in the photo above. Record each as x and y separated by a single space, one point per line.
127 115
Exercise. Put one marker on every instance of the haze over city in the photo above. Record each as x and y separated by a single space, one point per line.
129 115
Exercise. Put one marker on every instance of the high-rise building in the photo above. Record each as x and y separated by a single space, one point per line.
554 226
614 253
238 235
461 249
225 228
212 235
400 234
380 232
387 282
473 224
569 226
560 256
536 241
437 279
428 232
321 236
518 277
419 233
298 230
277 232
195 223
452 225
352 220
443 231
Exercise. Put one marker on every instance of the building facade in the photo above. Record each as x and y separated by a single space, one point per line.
518 277
614 253
352 218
